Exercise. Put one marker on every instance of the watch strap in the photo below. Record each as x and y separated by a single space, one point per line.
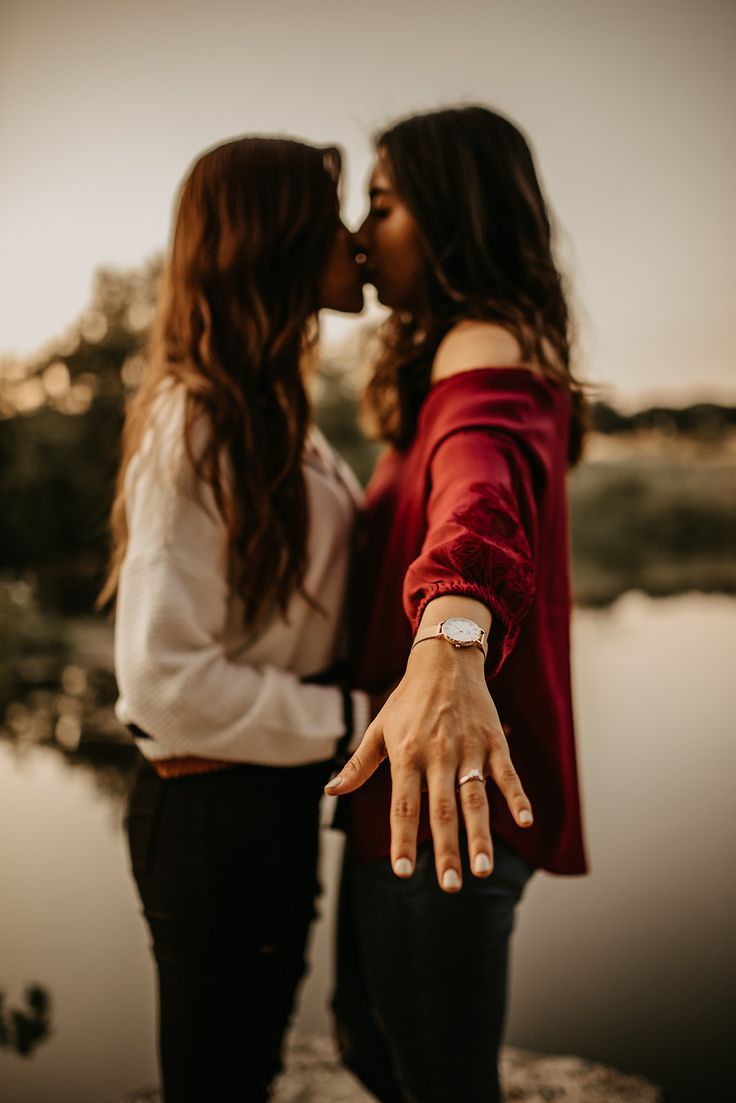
434 631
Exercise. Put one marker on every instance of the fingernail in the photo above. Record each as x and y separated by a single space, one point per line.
525 816
335 783
451 879
482 864
403 867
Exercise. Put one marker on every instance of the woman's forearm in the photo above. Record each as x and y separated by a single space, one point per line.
456 605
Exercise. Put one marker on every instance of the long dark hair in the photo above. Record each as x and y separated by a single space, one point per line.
467 175
255 223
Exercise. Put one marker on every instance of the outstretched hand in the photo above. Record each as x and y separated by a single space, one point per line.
439 725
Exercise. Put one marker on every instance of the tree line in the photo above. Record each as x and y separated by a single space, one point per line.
61 417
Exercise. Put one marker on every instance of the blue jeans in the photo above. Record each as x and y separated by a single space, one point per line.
420 991
225 864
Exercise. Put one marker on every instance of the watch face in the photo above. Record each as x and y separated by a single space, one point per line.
461 631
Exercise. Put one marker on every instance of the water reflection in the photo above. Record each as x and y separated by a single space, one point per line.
635 963
49 701
69 917
108 766
22 1029
631 966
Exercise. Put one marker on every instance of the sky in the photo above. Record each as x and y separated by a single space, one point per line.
628 105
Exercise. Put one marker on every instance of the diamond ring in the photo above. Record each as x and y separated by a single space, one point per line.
472 775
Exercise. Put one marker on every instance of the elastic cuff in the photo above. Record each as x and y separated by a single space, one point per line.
456 588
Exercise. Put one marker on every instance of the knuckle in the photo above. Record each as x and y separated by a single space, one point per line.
498 751
405 808
444 810
354 765
508 776
476 747
407 756
475 798
441 748
503 769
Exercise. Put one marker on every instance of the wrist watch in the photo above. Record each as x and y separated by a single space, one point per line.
459 631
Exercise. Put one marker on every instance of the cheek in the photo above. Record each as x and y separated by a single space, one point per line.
403 239
388 245
402 260
413 259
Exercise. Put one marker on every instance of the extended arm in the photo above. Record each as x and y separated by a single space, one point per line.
478 562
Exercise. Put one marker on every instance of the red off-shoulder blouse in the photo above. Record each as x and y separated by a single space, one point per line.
477 505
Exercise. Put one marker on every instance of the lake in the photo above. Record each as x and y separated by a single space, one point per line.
632 966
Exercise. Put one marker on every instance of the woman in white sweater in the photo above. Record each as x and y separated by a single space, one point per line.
232 528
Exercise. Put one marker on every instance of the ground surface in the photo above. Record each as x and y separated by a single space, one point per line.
313 1076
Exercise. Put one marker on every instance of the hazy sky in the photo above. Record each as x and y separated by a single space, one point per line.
629 106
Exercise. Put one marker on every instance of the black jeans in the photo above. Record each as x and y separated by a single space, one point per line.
225 864
421 977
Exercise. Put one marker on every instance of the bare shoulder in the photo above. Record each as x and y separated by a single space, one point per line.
471 345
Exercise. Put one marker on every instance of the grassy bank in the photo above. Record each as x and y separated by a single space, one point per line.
661 523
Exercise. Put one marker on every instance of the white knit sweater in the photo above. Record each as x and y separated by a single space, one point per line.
190 675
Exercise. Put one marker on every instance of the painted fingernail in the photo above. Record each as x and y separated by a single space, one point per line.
403 867
451 879
525 816
335 783
482 864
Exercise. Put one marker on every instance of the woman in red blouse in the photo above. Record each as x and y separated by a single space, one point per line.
463 600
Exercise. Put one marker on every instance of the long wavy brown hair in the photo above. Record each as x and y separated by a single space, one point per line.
255 223
467 175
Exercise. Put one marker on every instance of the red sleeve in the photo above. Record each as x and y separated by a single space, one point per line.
481 535
490 458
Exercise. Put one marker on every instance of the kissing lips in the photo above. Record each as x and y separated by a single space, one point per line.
367 275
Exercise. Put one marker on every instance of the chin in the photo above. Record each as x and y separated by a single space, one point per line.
350 304
356 303
385 298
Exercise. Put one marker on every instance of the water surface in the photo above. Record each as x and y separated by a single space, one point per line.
632 965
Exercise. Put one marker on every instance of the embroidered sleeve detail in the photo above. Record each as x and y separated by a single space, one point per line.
481 551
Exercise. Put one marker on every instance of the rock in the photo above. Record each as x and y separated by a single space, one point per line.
538 1078
313 1075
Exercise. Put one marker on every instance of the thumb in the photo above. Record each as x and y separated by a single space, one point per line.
363 762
